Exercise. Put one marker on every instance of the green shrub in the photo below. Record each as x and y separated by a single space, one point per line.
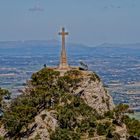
3 92
133 126
95 77
64 134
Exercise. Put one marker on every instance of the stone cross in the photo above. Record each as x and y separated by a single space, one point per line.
63 59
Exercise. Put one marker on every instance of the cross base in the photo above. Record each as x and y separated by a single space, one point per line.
64 67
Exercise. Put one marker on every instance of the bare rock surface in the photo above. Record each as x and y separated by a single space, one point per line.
91 89
45 123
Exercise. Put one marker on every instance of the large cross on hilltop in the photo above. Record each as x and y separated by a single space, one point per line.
63 59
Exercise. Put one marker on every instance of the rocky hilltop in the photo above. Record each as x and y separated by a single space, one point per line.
90 89
63 105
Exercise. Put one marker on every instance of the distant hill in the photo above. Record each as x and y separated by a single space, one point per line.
31 43
34 43
135 45
55 43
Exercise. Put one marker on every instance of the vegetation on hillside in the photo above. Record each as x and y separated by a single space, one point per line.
4 95
133 126
48 90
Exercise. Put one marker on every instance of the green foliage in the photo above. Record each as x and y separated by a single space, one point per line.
18 116
73 73
133 126
120 111
45 77
110 114
76 116
101 129
3 92
37 137
121 108
2 138
95 77
64 134
71 79
105 128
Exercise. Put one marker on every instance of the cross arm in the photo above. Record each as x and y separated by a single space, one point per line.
63 33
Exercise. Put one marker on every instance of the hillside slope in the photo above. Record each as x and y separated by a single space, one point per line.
56 106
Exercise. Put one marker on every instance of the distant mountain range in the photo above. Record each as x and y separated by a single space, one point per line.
48 43
36 43
120 45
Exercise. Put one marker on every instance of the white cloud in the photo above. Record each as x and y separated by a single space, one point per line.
36 9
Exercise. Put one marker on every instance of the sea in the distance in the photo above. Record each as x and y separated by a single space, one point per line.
118 65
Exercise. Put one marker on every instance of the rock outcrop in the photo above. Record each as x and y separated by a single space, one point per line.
44 123
91 89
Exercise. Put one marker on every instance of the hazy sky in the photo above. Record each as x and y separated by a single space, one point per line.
88 21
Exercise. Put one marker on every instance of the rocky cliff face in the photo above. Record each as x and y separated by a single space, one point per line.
44 123
91 89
